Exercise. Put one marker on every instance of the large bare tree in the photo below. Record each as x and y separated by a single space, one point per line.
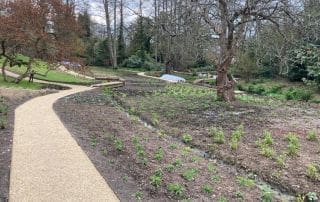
228 20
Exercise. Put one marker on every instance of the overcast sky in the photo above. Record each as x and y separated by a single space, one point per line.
131 8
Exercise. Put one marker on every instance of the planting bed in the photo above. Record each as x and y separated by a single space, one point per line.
153 140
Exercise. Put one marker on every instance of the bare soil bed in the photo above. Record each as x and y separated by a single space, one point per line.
10 99
183 109
151 141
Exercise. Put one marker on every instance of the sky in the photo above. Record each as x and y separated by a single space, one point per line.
131 8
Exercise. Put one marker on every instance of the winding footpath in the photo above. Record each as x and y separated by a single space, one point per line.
47 163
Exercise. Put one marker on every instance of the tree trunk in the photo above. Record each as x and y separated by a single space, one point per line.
225 82
3 69
115 61
109 34
25 74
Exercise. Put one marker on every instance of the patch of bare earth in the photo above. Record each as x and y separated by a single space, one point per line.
100 128
176 119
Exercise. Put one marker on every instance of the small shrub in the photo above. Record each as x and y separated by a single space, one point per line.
159 154
156 180
218 135
211 167
236 136
239 195
267 151
138 195
266 194
141 153
177 163
267 140
298 94
155 119
119 145
93 141
206 188
222 199
170 168
293 144
243 181
176 189
173 146
186 151
3 123
312 135
312 197
190 174
187 138
313 172
281 160
215 178
276 89
256 89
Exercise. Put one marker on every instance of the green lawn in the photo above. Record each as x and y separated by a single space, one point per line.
23 84
57 76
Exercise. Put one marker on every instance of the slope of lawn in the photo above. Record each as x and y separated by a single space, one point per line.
23 84
40 67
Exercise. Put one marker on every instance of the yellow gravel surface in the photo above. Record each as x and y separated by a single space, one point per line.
47 163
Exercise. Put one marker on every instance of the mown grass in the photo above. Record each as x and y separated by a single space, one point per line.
40 67
23 84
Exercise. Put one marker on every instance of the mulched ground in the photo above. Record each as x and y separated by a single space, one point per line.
12 99
98 125
280 118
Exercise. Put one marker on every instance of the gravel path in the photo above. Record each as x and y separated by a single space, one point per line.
47 163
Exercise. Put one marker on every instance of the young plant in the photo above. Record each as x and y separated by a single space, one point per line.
211 167
293 144
190 174
3 123
187 138
267 138
93 141
312 135
138 195
243 181
206 188
236 136
170 168
176 189
215 178
177 163
156 178
266 194
267 151
218 135
119 145
281 160
313 172
159 154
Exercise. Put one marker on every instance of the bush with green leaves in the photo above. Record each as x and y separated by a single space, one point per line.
236 136
142 60
298 94
170 168
190 174
186 138
257 89
293 144
266 194
119 144
281 160
207 189
265 144
176 189
156 178
243 181
313 172
159 154
217 134
3 123
312 135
